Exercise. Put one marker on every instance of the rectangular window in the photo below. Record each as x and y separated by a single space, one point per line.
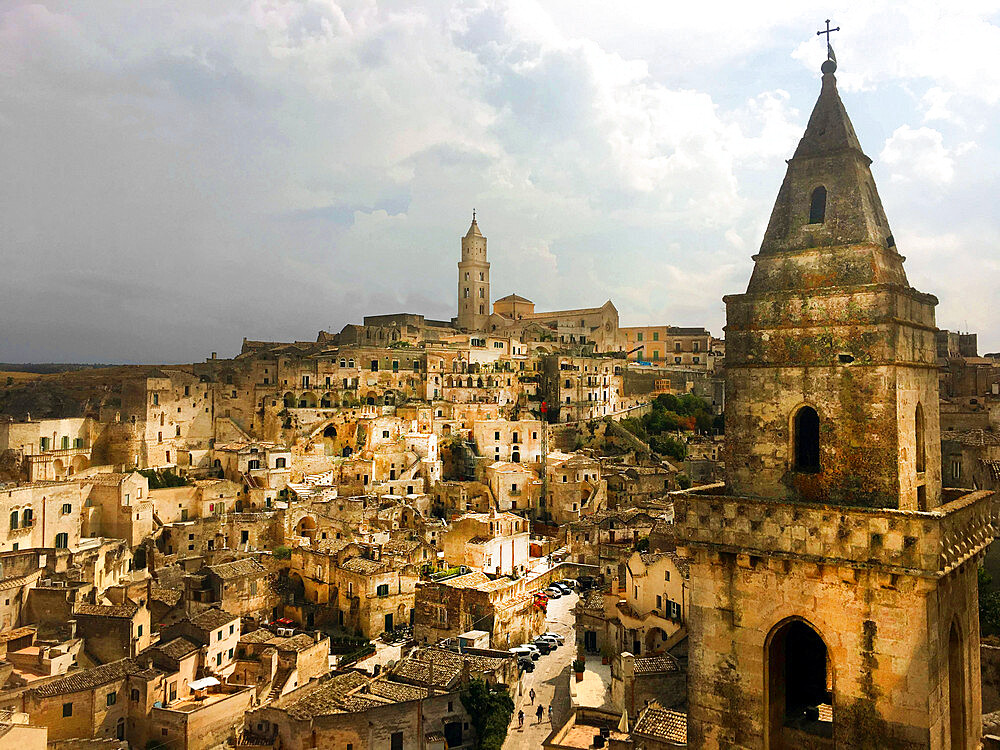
382 590
638 336
396 741
156 399
112 698
43 444
173 691
67 709
67 509
656 335
139 631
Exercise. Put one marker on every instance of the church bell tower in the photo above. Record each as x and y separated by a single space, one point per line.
833 580
473 281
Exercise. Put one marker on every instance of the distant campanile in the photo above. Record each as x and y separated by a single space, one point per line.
473 281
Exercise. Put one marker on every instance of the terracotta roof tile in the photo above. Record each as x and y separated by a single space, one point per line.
656 722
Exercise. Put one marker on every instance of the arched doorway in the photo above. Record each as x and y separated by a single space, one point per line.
58 468
346 452
79 463
656 639
289 400
306 527
956 689
799 687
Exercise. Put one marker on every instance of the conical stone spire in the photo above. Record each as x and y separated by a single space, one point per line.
828 200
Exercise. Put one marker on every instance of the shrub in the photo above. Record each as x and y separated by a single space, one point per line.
490 710
282 553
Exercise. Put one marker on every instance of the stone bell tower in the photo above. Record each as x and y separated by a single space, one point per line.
473 281
834 597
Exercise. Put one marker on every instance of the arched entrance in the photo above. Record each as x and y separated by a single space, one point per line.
289 400
956 689
655 640
306 527
799 687
79 463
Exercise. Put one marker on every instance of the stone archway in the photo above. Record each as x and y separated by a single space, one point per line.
800 687
78 464
656 639
306 527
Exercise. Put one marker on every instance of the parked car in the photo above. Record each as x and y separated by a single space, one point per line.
560 639
566 590
521 652
535 653
551 640
544 646
569 582
525 664
552 593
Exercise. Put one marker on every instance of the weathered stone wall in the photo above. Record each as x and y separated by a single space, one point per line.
882 588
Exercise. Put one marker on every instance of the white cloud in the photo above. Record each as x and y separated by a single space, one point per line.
918 155
299 163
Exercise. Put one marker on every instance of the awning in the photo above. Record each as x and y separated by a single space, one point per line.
203 683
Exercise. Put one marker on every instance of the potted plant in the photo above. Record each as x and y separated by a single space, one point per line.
578 666
606 653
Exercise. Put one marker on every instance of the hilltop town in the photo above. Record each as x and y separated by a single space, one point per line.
525 528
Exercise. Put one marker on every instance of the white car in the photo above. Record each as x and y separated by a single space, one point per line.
559 638
535 653
520 651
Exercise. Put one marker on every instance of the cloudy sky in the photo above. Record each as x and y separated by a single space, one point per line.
179 175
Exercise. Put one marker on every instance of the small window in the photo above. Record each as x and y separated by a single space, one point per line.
62 540
806 439
67 710
918 420
817 206
112 698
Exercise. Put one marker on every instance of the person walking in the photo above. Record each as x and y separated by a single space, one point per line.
550 713
539 711
531 695
520 719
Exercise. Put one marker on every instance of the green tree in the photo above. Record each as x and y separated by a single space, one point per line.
490 709
989 604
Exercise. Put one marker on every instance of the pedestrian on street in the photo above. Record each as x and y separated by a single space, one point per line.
520 719
550 713
531 695
539 713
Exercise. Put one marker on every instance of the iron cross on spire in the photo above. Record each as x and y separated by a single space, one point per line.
828 31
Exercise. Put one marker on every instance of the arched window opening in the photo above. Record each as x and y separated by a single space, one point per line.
800 685
806 439
956 688
817 206
918 421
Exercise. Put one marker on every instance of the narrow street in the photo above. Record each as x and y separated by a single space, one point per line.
550 681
